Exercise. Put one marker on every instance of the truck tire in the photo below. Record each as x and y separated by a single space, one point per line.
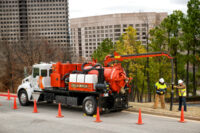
89 105
23 98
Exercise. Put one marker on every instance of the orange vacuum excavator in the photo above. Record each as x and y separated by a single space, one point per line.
88 85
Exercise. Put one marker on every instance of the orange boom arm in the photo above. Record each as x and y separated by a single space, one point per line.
111 58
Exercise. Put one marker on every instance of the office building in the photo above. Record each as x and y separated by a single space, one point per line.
88 32
35 19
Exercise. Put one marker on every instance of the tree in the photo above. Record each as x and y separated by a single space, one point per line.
159 67
104 49
145 20
16 56
186 39
193 24
128 44
166 37
172 25
6 63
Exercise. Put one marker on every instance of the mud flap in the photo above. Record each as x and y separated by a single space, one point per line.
36 95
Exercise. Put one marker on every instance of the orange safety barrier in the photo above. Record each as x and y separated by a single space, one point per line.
6 95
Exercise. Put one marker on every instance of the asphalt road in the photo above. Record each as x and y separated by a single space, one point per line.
23 120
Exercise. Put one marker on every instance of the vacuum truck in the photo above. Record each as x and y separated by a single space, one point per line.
88 85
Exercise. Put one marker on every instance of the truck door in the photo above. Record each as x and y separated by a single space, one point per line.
45 77
35 78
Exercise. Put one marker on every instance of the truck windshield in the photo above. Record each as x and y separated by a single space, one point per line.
35 72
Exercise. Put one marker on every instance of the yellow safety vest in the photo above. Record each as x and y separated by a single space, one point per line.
160 88
182 92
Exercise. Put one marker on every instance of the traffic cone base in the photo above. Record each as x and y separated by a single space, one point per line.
139 118
59 112
35 112
35 107
59 116
140 123
98 121
98 116
15 104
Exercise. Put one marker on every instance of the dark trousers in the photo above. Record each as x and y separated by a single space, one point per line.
182 100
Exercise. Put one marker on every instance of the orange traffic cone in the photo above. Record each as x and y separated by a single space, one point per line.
139 118
15 104
8 95
182 116
59 111
98 116
35 107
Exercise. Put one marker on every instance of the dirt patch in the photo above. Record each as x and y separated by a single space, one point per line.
193 112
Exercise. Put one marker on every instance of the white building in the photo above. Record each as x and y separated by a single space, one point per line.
88 32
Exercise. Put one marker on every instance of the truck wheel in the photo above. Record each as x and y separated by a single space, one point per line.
89 105
23 98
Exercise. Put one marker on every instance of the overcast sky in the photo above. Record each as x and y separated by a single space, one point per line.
83 8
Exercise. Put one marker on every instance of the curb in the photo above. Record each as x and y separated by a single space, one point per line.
167 115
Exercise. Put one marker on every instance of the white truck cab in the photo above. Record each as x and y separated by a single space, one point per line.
39 79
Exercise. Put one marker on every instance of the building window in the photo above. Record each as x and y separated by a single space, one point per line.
144 25
117 26
131 25
125 25
117 30
137 25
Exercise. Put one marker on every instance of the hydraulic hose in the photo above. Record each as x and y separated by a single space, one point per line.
100 70
67 74
92 68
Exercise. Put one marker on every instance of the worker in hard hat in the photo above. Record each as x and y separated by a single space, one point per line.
182 94
161 89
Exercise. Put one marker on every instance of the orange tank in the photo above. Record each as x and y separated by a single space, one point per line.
114 75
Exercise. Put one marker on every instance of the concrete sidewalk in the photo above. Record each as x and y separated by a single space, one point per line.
193 112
